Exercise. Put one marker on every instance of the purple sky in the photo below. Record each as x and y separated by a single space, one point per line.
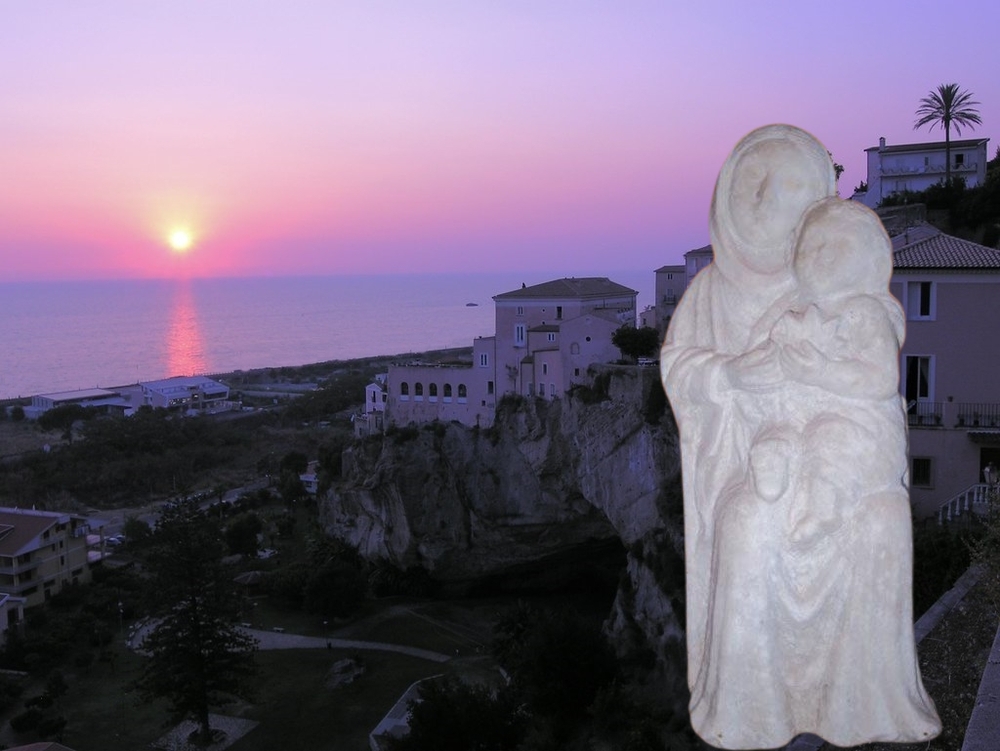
363 137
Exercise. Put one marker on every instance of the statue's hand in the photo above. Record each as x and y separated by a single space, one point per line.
803 361
757 370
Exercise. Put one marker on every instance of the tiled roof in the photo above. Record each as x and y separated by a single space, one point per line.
925 247
20 527
545 327
62 396
927 146
703 250
573 288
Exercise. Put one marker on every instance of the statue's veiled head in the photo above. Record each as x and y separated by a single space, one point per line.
765 185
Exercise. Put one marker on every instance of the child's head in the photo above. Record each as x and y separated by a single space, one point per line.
842 250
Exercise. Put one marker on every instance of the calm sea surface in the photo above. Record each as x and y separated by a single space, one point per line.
59 336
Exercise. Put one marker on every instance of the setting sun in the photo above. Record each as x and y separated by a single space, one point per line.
180 240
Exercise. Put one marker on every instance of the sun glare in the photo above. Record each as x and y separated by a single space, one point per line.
180 240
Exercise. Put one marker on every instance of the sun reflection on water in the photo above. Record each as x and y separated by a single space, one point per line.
185 348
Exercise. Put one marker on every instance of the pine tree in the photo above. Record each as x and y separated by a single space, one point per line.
196 654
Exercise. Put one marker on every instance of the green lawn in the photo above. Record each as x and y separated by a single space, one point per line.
296 710
294 707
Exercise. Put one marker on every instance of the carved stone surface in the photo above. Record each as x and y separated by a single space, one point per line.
781 365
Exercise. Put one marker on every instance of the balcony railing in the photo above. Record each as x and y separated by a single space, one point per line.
925 414
967 501
968 415
977 415
930 169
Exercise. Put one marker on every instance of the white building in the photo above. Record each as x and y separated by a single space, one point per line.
186 393
950 291
547 335
918 166
103 400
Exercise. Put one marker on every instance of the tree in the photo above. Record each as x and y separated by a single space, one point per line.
241 534
196 655
17 413
454 716
947 106
136 530
636 343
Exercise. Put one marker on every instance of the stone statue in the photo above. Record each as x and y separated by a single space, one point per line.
781 365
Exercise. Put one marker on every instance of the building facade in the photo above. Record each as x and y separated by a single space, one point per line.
950 291
918 166
668 285
186 393
41 552
546 337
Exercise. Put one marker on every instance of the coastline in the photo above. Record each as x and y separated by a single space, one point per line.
293 375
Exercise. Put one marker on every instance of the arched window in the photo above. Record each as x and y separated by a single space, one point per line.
418 389
404 389
447 391
432 389
462 392
574 348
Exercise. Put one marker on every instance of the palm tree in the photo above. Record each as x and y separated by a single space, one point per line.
948 105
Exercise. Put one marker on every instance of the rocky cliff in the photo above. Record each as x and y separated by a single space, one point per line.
552 481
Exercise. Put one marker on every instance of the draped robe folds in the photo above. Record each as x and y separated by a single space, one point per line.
787 635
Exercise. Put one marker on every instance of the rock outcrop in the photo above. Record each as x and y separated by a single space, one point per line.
549 478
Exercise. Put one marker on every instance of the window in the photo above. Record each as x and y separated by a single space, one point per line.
462 392
545 368
531 389
920 301
432 392
920 473
576 371
670 276
519 335
552 337
489 387
918 379
541 389
552 389
447 392
520 310
418 391
484 360
959 160
574 348
404 390
558 314
373 396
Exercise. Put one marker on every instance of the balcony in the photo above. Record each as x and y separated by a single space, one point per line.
977 415
925 414
928 169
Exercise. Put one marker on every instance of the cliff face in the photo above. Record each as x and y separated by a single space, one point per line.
548 479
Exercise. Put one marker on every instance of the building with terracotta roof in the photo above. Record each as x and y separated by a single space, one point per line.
546 337
918 166
950 291
41 552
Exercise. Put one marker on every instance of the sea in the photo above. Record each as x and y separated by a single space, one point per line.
67 335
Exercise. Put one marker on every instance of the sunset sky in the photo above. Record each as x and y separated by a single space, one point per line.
326 137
